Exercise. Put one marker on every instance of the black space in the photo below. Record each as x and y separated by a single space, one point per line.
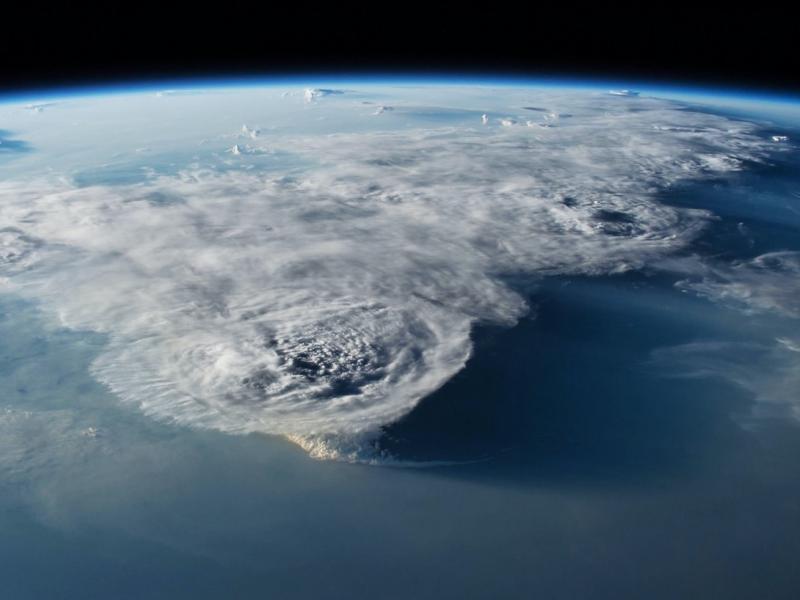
736 46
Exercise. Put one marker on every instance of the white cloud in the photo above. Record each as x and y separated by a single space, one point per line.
39 107
323 305
769 283
312 94
252 133
770 372
180 92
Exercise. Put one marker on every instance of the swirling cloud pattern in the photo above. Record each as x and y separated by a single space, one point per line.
324 302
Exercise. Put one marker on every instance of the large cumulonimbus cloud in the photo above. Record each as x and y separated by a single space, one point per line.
324 304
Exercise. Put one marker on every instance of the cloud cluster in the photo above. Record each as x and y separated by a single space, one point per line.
313 94
322 304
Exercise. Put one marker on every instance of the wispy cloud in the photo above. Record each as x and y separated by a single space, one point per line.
769 371
768 283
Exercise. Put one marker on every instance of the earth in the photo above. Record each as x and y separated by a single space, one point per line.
399 339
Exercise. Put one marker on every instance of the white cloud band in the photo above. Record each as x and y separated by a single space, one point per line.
323 305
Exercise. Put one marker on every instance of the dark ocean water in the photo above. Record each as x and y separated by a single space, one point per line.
596 476
582 467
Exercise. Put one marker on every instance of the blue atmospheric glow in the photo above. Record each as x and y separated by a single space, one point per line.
688 90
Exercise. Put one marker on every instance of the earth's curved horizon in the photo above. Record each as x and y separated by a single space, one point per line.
563 295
